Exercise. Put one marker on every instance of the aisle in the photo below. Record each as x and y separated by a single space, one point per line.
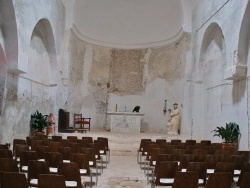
122 171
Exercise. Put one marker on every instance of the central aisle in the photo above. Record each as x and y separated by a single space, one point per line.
122 171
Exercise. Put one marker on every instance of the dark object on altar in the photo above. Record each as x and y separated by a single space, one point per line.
136 109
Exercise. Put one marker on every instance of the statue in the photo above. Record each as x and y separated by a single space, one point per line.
169 123
51 129
174 121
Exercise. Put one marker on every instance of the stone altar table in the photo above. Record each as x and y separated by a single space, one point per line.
125 122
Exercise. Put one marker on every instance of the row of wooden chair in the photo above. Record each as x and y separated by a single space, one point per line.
101 144
70 171
166 174
206 153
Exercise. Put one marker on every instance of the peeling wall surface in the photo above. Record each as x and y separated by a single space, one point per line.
46 64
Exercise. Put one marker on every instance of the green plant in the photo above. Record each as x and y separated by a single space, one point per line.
38 121
230 133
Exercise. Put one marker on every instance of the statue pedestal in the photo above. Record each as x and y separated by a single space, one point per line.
125 122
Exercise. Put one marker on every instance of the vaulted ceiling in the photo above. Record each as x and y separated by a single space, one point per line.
130 23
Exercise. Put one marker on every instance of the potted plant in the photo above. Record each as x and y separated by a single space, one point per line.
39 122
229 134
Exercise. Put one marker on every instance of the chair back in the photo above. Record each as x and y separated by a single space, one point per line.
189 179
224 167
54 158
6 153
51 181
219 179
166 169
8 165
71 172
245 180
200 168
245 168
13 180
82 160
26 156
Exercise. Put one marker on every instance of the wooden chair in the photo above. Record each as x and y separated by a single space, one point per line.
41 151
206 142
201 154
140 150
80 122
34 169
54 159
66 152
51 181
106 149
220 180
26 156
19 148
57 138
71 172
245 168
4 146
165 173
185 159
200 168
6 153
8 165
103 151
35 144
83 161
160 141
55 145
245 183
92 159
186 179
224 167
13 180
73 138
18 141
190 142
175 142
238 161
89 139
211 161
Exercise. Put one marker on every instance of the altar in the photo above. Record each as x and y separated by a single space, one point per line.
125 122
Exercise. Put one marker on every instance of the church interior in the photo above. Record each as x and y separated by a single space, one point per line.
142 69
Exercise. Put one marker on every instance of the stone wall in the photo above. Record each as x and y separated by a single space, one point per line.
102 77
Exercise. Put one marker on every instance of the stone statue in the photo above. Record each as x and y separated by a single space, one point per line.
174 121
169 123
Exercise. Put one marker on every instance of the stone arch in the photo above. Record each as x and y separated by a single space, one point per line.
8 52
3 71
43 32
213 34
212 63
244 38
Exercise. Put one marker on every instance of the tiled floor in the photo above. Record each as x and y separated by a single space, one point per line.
122 171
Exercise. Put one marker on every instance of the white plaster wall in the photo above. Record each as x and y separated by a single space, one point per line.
25 94
28 13
232 96
128 24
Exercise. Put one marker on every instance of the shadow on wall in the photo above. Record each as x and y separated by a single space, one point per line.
238 91
144 127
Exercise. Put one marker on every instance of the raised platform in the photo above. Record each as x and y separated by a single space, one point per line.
124 144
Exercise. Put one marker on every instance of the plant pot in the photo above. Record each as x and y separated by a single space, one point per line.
229 146
39 133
